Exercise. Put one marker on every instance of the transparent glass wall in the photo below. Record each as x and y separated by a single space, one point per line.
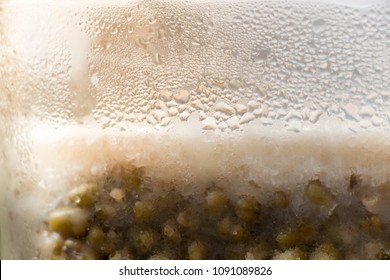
195 129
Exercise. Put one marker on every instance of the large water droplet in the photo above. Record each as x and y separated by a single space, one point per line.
209 123
246 118
182 96
318 26
225 108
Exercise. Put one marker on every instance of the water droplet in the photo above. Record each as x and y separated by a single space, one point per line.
241 109
351 111
266 121
376 121
314 116
294 125
165 95
260 54
262 90
159 115
233 123
246 118
129 16
222 126
197 104
156 57
365 124
280 113
152 20
150 119
209 123
106 45
237 19
173 111
145 109
130 29
182 96
195 42
367 111
219 83
325 66
94 79
165 121
202 116
114 30
184 116
225 108
161 105
253 104
318 26
262 111
234 84
142 43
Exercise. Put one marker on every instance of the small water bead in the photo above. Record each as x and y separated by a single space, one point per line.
351 110
225 108
94 79
173 111
209 123
367 111
246 118
319 26
241 109
182 96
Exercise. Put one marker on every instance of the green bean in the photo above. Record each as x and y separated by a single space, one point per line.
84 195
197 251
69 221
318 194
247 209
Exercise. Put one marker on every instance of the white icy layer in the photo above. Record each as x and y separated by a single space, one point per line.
248 162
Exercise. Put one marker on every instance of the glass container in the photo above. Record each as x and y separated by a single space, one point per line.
198 129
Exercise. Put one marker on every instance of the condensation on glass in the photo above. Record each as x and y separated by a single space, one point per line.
267 122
